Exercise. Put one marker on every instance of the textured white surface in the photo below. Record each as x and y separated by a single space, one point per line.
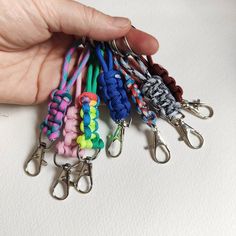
194 194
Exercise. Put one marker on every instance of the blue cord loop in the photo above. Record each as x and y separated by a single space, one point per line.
111 87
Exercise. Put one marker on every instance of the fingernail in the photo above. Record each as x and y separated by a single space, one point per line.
121 22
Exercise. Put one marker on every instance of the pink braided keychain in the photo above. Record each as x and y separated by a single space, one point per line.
60 99
68 146
81 171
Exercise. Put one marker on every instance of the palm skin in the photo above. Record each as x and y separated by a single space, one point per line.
32 47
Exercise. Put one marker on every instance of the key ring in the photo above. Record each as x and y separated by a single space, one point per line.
115 49
63 179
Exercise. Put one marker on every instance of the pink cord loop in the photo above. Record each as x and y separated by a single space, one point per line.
68 147
61 98
57 107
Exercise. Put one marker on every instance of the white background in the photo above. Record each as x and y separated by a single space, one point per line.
194 194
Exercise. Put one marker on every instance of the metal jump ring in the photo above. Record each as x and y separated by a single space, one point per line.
126 42
115 48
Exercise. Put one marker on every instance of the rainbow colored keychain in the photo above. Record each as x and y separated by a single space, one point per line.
89 102
83 128
70 175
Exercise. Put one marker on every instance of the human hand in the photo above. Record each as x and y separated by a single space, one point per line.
34 35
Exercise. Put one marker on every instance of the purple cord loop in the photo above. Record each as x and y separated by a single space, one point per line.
57 107
61 98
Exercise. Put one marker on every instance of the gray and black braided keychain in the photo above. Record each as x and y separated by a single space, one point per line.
161 100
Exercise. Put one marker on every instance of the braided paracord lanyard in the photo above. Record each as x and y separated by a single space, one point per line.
163 102
155 90
61 97
169 81
111 87
192 107
148 116
68 146
89 113
114 95
60 100
74 119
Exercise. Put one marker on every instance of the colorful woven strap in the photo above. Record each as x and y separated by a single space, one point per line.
111 86
68 146
154 89
89 113
61 98
169 81
148 116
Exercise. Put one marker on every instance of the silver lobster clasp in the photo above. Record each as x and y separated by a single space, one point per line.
33 164
117 139
160 145
62 183
186 132
37 160
83 172
194 108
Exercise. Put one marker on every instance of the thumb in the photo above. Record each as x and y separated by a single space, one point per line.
74 18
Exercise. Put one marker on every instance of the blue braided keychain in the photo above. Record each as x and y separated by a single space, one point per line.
113 93
111 86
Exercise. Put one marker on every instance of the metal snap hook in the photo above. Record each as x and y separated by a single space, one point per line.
117 136
37 158
194 108
160 145
186 131
62 180
83 171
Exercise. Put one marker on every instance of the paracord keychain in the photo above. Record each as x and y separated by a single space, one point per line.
89 137
60 99
89 113
71 174
162 101
114 95
192 107
148 116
